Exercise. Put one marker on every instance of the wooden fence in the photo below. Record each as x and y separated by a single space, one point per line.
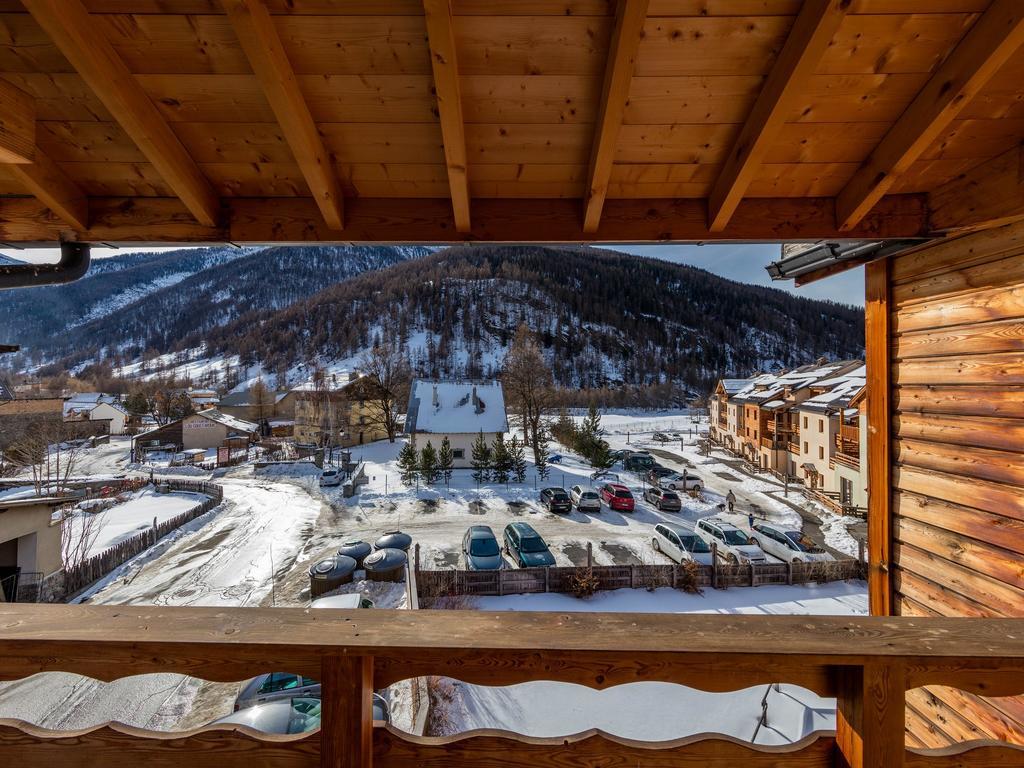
96 567
519 581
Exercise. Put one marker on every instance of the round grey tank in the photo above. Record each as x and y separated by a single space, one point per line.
394 540
386 565
330 573
357 550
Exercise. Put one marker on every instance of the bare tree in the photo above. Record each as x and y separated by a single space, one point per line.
529 385
51 453
261 399
79 530
387 371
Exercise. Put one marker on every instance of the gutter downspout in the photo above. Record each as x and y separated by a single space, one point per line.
74 263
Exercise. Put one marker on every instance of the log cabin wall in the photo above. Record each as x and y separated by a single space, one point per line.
956 455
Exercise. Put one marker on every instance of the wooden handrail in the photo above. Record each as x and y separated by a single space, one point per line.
867 663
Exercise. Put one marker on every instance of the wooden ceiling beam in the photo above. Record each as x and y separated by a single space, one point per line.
808 39
165 221
986 47
83 43
51 186
988 195
262 45
441 37
630 16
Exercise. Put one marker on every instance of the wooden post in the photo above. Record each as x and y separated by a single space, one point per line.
416 551
590 554
632 576
752 575
714 565
547 583
346 725
871 715
789 573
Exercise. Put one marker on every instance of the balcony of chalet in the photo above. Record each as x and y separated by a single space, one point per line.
895 125
847 450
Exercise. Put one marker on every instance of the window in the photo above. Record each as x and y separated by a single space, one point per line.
458 453
821 452
821 425
279 681
807 448
805 422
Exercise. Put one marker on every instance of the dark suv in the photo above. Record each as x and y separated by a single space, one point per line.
556 500
525 546
666 501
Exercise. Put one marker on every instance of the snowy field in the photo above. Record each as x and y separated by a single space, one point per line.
655 711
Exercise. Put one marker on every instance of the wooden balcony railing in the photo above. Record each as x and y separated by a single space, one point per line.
847 449
867 664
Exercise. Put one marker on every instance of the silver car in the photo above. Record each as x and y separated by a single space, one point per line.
480 549
787 543
300 714
585 499
680 543
275 686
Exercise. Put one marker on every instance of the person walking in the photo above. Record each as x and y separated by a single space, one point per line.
730 500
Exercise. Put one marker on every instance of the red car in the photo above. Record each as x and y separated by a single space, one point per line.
617 497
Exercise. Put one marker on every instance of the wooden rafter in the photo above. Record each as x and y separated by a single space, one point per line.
812 31
629 25
443 61
262 45
979 55
17 125
51 186
989 195
74 32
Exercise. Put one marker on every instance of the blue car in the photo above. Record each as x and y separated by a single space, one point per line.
555 458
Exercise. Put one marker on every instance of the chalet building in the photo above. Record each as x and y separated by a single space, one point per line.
340 411
206 429
30 542
202 399
726 413
25 416
457 410
259 406
116 419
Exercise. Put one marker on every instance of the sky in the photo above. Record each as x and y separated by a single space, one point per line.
744 263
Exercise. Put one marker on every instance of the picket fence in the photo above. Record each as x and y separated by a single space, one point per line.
518 581
80 576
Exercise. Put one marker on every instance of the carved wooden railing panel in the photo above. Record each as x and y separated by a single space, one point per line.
866 663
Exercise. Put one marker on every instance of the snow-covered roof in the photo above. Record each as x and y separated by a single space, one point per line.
231 422
456 407
841 390
83 402
115 406
245 398
732 386
770 387
5 393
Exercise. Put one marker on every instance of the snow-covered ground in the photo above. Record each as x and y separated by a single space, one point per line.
655 711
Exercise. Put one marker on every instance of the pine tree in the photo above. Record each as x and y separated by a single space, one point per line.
517 454
602 458
408 461
481 459
501 460
428 462
446 459
540 453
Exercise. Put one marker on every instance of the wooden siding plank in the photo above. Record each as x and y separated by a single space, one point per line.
879 423
957 252
1000 564
931 599
444 61
964 431
989 44
999 303
976 339
1007 402
997 368
805 45
949 285
1006 500
626 35
980 463
1002 599
982 525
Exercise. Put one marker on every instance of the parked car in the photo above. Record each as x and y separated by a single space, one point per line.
665 501
345 602
555 458
787 544
274 686
660 437
330 478
733 544
655 473
638 461
680 543
526 546
617 497
584 499
299 714
556 500
604 474
480 549
681 482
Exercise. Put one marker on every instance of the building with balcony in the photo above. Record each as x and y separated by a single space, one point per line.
338 410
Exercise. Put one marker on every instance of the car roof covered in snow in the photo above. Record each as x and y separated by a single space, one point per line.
456 407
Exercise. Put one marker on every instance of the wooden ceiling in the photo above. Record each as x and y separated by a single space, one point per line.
517 120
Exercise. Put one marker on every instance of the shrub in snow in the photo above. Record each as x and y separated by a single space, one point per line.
408 462
428 462
481 459
583 583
